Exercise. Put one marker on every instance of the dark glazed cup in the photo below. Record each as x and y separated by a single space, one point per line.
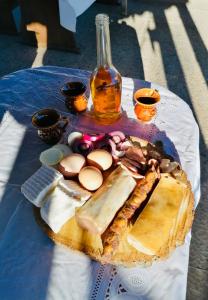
75 98
50 124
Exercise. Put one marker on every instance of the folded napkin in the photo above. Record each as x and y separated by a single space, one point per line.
39 184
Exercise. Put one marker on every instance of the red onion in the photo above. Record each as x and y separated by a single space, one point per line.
116 139
93 137
113 147
124 145
82 146
119 134
114 151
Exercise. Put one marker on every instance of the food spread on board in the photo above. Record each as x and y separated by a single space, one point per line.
119 199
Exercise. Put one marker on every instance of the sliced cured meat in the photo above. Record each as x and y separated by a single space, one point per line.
135 153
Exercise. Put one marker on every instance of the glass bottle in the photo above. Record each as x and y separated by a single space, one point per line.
105 81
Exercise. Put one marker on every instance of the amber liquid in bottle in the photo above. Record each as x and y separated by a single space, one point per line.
105 82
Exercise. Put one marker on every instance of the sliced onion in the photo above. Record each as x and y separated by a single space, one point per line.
114 151
93 137
120 153
120 134
113 147
116 139
124 145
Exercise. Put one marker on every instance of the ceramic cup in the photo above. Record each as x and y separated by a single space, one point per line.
50 124
75 96
146 100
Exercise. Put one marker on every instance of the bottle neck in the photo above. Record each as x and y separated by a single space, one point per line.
103 45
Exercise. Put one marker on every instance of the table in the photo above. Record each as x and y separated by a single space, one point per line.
31 266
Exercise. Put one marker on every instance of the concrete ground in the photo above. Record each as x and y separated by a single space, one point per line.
158 41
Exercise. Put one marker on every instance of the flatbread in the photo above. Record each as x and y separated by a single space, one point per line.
161 216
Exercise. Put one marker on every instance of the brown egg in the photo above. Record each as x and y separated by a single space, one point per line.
90 178
71 165
100 158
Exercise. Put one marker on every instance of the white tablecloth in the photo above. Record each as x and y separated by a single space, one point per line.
31 266
69 10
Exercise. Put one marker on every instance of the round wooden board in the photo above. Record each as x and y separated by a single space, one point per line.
74 237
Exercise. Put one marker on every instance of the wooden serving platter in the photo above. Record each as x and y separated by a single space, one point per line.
74 237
